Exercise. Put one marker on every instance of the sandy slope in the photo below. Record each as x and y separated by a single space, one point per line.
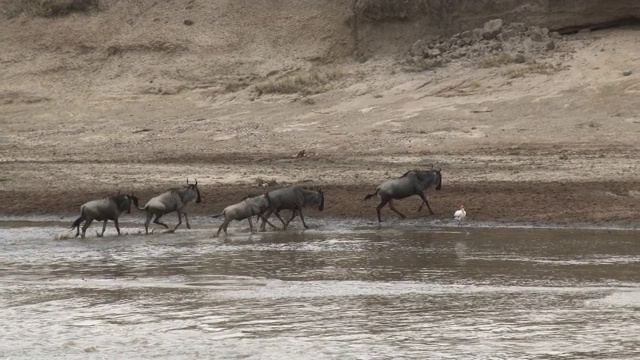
560 147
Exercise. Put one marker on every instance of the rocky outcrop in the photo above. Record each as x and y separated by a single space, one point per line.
383 25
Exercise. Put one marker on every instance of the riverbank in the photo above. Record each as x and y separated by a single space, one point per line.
530 203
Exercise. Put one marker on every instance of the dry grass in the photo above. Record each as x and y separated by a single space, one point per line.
46 8
421 64
531 68
307 82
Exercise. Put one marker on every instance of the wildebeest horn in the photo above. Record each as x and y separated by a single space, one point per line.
187 181
196 180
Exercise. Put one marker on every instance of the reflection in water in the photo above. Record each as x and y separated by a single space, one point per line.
342 291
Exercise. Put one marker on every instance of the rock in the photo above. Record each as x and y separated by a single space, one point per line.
466 35
417 49
508 34
477 33
434 53
518 27
442 47
496 46
188 22
550 45
492 28
627 73
535 33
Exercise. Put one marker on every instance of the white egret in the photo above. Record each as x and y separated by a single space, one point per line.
460 215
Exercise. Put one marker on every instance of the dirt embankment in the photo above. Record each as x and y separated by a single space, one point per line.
527 123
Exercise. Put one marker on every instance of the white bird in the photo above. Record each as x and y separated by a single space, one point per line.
459 215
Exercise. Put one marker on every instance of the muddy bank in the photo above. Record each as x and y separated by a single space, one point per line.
532 202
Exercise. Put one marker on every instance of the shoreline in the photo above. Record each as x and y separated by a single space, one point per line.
13 222
499 204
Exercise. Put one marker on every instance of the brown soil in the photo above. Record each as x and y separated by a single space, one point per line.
514 144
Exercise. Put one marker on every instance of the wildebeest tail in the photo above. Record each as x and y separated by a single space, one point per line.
217 216
76 224
370 195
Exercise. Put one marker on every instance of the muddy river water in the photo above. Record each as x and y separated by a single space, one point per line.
344 290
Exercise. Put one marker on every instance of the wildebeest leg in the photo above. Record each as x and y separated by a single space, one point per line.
383 202
284 225
146 223
104 227
179 220
250 224
157 221
115 221
395 210
293 215
225 225
78 230
86 226
220 229
186 220
302 218
259 216
264 217
424 199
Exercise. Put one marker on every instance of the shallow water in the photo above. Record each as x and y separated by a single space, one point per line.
344 290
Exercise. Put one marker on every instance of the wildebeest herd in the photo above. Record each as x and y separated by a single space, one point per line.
293 198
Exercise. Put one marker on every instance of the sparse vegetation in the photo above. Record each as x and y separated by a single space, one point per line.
501 59
421 64
308 82
531 68
46 8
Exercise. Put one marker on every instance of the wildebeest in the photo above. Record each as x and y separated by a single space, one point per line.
172 200
293 198
245 209
105 209
413 182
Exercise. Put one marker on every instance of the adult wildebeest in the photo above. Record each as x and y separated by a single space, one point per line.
105 209
173 200
245 209
413 182
293 198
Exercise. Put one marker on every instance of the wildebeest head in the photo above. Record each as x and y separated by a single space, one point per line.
194 187
439 176
135 200
268 202
123 202
321 197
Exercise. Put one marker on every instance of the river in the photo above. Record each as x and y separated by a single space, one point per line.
343 290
